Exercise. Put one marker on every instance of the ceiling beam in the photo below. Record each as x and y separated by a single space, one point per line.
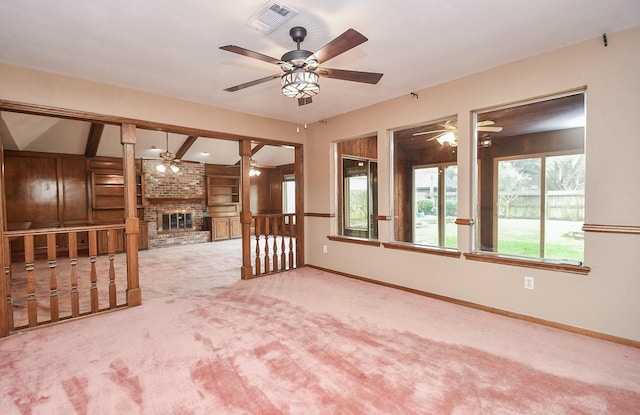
186 146
93 140
254 150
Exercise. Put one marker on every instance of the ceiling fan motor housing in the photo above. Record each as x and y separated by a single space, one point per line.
297 57
298 34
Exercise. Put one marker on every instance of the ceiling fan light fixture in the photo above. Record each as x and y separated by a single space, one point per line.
253 171
448 138
174 168
300 83
161 168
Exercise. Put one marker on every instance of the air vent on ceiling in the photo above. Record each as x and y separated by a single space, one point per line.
271 16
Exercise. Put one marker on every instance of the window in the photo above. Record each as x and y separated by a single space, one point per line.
359 194
358 187
531 171
435 192
426 184
289 193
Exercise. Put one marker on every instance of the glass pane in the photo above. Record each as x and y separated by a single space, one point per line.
420 156
425 196
451 206
564 238
289 197
165 223
518 207
174 221
356 202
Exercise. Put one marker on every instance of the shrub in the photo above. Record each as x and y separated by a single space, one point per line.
425 206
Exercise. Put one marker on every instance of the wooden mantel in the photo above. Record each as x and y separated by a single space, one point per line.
167 200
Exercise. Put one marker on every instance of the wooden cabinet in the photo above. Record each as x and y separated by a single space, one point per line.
143 239
224 227
223 202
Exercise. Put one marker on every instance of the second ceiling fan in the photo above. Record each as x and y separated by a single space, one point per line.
301 67
448 134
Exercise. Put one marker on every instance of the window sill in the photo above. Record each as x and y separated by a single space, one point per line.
528 263
353 240
403 246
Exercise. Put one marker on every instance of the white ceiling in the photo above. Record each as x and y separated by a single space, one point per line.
170 48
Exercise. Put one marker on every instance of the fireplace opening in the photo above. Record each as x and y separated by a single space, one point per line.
176 220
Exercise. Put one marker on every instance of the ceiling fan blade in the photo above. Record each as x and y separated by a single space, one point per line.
304 101
345 75
435 137
251 54
252 83
349 39
490 129
485 123
430 132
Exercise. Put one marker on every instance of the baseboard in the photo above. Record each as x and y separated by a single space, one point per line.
523 317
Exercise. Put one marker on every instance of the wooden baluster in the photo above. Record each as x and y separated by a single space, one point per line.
274 225
283 255
111 250
53 280
257 235
267 264
29 259
7 276
93 252
291 241
73 262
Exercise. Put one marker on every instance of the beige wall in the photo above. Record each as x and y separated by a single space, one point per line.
34 87
607 300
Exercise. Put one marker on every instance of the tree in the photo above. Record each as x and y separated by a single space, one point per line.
514 178
565 172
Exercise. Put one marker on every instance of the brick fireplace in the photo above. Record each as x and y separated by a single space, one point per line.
176 200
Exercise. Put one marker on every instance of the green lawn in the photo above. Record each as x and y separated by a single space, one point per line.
518 237
522 236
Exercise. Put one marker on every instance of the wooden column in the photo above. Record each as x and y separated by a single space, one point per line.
5 277
299 174
245 209
132 227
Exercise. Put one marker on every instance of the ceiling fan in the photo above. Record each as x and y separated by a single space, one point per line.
169 160
301 67
449 133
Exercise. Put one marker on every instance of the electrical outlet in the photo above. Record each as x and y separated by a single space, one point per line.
324 249
529 283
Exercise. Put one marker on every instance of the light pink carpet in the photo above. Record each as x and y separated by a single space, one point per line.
310 342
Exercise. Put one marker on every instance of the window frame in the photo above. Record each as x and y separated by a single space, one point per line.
441 155
477 253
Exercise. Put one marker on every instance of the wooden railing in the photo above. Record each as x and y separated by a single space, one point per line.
274 242
56 274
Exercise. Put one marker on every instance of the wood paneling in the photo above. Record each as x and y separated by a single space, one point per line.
365 147
74 198
46 190
31 189
260 192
